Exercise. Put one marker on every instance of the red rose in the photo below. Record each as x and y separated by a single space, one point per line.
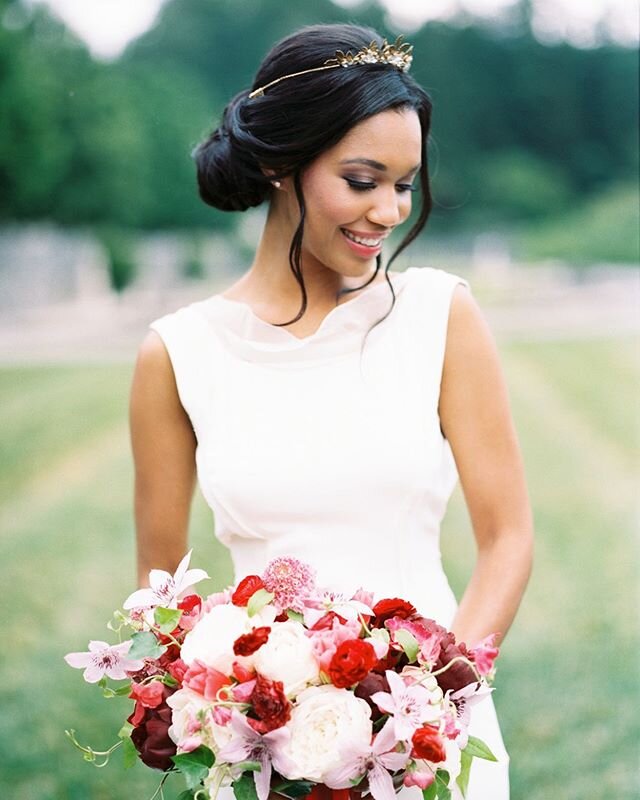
391 607
352 661
270 705
428 744
189 603
248 644
151 734
248 586
190 606
325 623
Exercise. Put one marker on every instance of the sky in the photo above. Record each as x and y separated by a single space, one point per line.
108 25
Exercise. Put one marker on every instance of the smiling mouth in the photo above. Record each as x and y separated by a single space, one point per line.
365 241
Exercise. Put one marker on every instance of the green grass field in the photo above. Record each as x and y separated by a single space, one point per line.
567 689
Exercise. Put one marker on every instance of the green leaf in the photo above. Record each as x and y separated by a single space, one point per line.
195 765
443 792
296 616
248 766
120 691
258 601
129 753
430 792
465 769
245 788
478 749
167 618
145 645
408 642
125 731
294 788
186 795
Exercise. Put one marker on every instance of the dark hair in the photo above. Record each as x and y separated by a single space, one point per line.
296 120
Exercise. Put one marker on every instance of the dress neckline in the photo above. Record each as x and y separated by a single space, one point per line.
247 336
396 278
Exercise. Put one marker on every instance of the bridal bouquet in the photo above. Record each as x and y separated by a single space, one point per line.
277 685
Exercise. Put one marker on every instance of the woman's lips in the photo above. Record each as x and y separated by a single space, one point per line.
363 249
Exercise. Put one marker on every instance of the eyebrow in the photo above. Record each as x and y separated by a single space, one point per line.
368 162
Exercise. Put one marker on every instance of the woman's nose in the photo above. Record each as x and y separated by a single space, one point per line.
386 210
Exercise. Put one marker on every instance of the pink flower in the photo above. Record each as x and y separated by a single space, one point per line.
418 776
249 745
464 700
428 640
105 659
165 589
291 582
215 599
374 761
362 596
485 653
409 706
325 641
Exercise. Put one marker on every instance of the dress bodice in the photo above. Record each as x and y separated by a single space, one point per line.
320 447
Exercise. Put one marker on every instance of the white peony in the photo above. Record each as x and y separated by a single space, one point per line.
323 722
191 722
211 640
288 656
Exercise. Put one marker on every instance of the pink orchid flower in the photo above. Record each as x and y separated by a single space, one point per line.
464 700
409 706
104 659
317 606
374 761
165 589
248 745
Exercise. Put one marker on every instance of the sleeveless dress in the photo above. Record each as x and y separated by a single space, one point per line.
322 450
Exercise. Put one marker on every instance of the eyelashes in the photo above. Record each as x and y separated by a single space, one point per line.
360 186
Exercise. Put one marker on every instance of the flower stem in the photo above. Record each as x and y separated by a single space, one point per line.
90 754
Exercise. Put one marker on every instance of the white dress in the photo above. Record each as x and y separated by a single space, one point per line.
307 447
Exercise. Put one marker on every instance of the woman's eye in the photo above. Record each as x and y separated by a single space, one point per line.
360 186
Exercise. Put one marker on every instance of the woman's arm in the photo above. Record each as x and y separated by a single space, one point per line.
163 444
476 419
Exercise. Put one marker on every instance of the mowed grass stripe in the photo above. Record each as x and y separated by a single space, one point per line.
52 413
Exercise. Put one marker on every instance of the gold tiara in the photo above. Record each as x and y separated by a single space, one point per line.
396 55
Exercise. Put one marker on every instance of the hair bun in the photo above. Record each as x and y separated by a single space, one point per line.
228 174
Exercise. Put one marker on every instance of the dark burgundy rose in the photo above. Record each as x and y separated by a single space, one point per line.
270 705
459 674
151 734
369 685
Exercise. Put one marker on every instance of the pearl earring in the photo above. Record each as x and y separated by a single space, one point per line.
276 184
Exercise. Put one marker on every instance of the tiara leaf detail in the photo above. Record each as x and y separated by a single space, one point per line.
396 55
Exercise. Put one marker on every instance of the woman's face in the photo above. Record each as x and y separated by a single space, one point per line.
360 188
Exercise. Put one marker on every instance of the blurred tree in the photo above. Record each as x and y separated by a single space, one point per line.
520 129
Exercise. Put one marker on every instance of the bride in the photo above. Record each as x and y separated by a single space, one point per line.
327 405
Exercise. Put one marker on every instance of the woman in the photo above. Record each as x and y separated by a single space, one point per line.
329 405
